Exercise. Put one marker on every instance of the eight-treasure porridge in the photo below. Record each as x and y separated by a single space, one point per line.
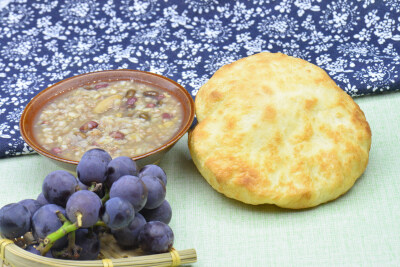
122 117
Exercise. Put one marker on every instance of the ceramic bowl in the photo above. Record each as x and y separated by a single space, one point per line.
33 108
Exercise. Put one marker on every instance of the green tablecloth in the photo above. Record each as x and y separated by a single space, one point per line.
361 228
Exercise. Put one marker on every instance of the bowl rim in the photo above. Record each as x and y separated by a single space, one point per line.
182 130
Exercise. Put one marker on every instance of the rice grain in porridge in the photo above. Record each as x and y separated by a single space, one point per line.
125 118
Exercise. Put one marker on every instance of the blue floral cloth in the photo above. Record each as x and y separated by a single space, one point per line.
45 41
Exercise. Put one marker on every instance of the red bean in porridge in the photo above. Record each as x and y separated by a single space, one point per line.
125 118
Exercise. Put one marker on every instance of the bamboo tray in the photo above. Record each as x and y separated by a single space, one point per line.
110 255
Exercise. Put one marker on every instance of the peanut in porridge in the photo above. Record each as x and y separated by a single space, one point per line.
125 118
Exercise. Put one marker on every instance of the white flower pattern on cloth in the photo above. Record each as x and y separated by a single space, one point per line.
44 41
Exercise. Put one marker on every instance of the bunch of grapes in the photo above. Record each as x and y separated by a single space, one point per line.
109 195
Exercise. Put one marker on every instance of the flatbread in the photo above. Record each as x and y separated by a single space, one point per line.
277 129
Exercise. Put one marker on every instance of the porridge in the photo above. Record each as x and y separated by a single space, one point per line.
125 118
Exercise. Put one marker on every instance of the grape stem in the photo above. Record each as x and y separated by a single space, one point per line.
100 223
79 219
72 251
67 228
106 197
71 240
49 241
95 187
61 216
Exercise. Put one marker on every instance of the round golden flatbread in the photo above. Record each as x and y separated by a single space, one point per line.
277 129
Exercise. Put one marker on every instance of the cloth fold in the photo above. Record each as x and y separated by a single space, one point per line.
43 42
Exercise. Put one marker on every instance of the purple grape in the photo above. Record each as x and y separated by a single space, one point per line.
31 204
32 249
42 200
89 242
128 237
132 189
154 170
93 166
156 191
163 213
45 221
118 213
15 220
156 237
87 203
58 186
119 167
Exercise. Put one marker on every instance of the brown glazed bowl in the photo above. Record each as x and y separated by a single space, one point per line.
33 108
